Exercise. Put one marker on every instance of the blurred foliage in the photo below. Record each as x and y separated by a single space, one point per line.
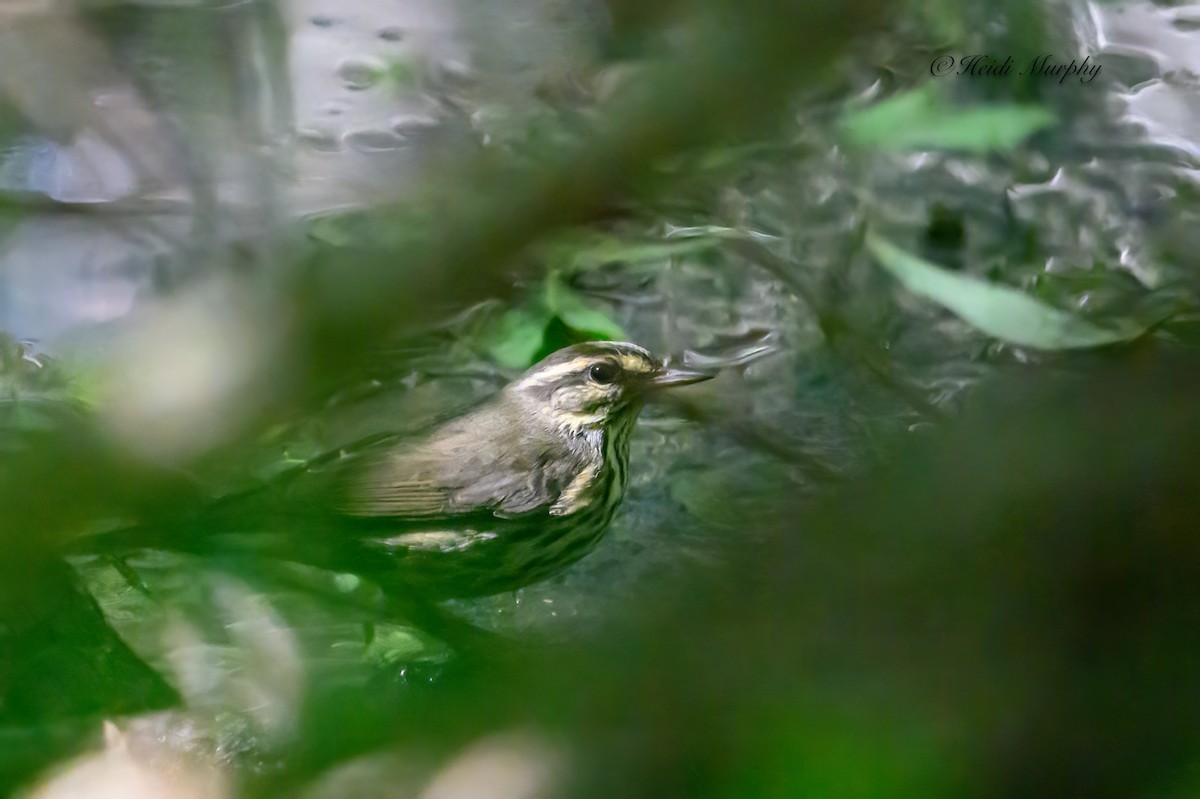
1005 313
921 120
903 556
549 321
993 615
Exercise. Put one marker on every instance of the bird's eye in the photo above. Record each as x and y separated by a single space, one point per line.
603 373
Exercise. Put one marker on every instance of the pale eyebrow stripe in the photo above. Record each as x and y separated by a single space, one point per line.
553 373
633 363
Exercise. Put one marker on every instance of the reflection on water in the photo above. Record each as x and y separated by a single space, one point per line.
1161 93
104 142
240 115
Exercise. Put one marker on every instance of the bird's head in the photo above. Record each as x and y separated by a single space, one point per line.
592 385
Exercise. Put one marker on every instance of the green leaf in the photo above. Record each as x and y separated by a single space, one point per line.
350 229
331 230
516 339
565 303
579 253
395 644
919 119
999 311
555 317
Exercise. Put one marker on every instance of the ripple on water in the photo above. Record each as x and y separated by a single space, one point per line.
1187 24
1129 68
414 127
374 140
321 139
1168 110
359 73
1153 49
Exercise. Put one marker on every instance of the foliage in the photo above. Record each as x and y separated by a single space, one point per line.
525 334
1003 312
921 119
885 552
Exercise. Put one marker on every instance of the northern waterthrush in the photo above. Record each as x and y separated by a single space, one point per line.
501 497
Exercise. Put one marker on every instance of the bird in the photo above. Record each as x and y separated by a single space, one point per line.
504 496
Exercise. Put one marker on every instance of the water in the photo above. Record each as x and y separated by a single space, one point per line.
347 108
361 120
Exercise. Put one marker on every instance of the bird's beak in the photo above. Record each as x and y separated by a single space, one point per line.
671 377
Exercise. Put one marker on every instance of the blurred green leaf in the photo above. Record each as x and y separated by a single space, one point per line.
566 304
520 336
919 119
395 644
368 229
331 230
860 749
580 253
517 337
999 311
61 659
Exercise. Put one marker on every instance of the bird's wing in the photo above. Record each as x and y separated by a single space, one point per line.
403 483
450 478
